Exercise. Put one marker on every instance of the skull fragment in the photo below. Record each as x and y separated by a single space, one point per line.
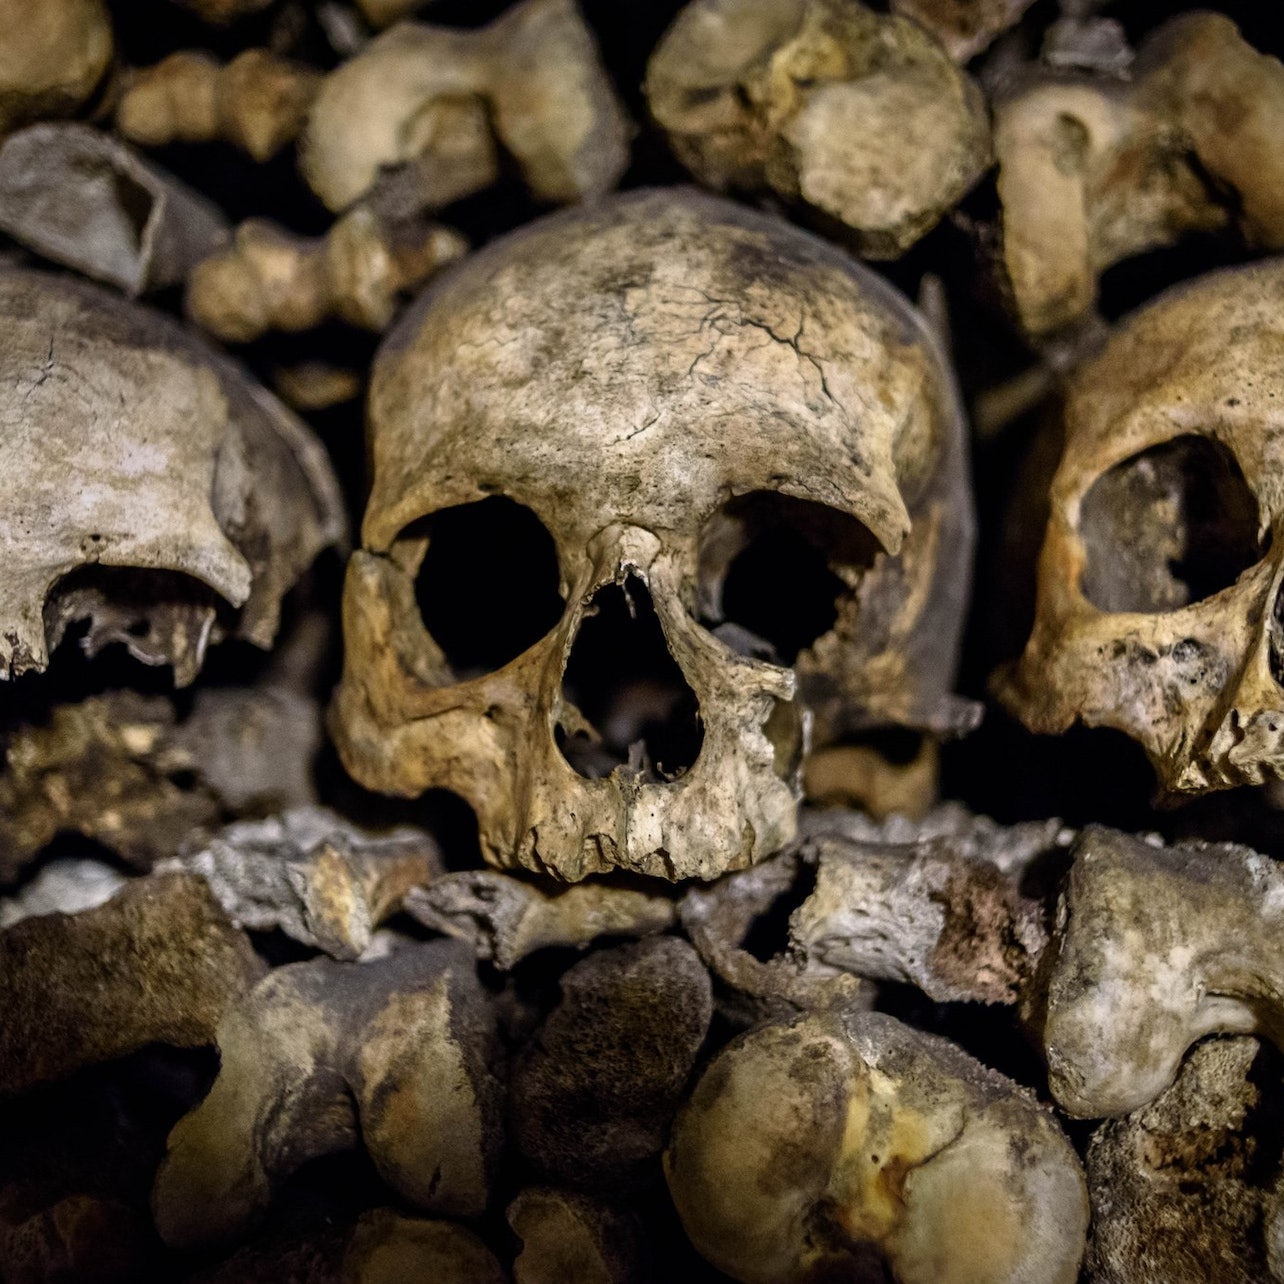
1160 611
675 398
148 487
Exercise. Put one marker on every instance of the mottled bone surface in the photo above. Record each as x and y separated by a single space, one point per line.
1163 558
200 503
158 963
863 117
397 1052
1155 948
742 356
847 1144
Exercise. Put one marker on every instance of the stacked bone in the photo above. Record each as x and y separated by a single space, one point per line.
664 569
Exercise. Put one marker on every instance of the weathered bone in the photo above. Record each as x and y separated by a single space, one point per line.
1095 169
964 27
128 772
839 1145
52 56
1181 1189
1160 570
158 963
270 279
201 501
310 874
88 201
596 1088
258 101
506 918
860 116
567 1236
948 919
1155 948
470 401
398 1052
437 102
719 919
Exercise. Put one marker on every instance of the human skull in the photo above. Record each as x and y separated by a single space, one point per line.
1159 608
689 396
146 485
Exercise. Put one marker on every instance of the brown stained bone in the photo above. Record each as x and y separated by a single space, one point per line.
88 201
439 102
964 27
937 913
1095 169
315 877
506 918
594 1091
126 771
856 775
1155 948
383 1246
1181 1188
158 963
568 1236
398 1053
270 279
80 1237
481 392
861 117
317 385
849 1146
720 918
52 56
1159 574
387 1247
166 530
257 102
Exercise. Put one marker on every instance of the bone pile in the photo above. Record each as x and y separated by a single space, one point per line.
641 643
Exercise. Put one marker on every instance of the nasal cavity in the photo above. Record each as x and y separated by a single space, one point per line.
644 719
1275 630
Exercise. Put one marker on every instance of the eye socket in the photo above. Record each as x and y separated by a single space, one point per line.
1169 527
487 588
773 571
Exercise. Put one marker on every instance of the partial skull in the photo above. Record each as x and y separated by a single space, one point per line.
661 487
1159 608
148 487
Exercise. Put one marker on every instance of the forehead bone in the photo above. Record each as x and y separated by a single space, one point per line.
125 443
1200 358
656 343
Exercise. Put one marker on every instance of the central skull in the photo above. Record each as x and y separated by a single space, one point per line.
644 474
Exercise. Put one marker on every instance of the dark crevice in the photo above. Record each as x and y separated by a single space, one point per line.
768 935
488 585
622 678
1169 527
1275 655
769 585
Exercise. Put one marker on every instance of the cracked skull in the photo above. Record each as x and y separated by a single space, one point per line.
1160 609
148 489
662 487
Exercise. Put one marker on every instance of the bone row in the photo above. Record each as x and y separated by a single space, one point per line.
826 1135
1102 152
1160 573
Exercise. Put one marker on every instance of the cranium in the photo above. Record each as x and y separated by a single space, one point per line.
688 396
145 485
1159 606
